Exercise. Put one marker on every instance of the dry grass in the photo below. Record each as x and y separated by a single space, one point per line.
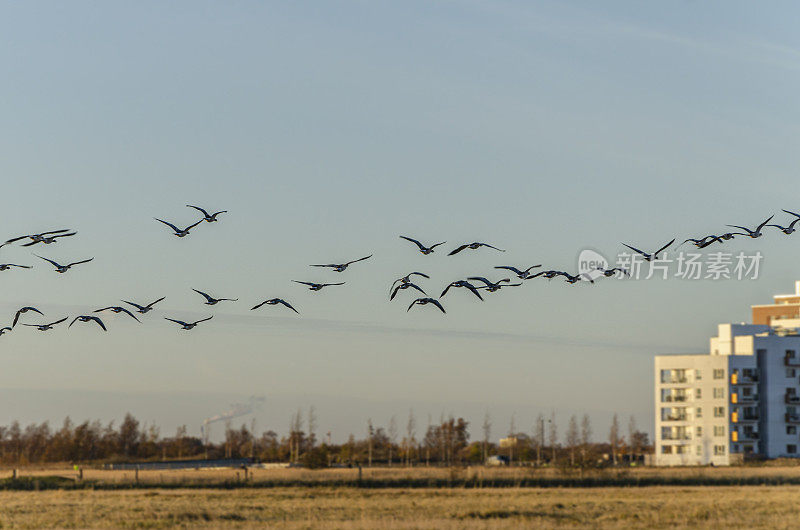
348 508
476 475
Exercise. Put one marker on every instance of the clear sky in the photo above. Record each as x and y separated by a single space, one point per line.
327 129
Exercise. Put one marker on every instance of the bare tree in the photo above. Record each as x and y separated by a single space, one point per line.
312 426
487 432
586 435
370 434
553 435
410 433
512 429
539 437
632 438
613 438
572 438
392 432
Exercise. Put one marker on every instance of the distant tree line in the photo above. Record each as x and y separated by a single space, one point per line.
443 442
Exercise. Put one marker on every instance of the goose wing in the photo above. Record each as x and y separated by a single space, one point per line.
175 228
420 245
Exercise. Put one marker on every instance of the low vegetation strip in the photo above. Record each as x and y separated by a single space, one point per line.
50 482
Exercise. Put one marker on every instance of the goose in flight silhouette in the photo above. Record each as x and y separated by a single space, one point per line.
6 266
88 318
611 272
340 267
788 230
48 239
549 274
473 246
407 279
461 283
493 286
422 248
276 301
188 325
753 233
144 308
22 311
521 274
36 237
211 218
317 286
46 327
64 268
178 232
654 255
426 301
406 285
210 300
118 309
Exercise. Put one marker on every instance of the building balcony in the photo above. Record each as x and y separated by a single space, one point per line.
675 399
675 380
791 361
792 418
749 399
676 436
737 417
791 398
675 417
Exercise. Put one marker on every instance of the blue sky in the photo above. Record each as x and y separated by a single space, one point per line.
328 129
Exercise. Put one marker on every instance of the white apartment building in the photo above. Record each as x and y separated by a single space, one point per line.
742 398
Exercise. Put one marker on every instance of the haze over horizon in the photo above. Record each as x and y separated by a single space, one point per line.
329 129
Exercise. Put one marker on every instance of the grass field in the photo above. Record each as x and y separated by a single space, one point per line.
658 507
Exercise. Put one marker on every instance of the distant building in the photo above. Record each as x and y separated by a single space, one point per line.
740 399
497 460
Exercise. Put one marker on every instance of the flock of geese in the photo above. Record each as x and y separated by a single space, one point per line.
481 283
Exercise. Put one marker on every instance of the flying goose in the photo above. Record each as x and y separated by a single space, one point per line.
461 283
88 318
407 279
654 255
422 248
521 274
276 301
24 310
340 267
144 308
753 233
48 239
611 272
36 237
5 329
178 231
45 327
473 246
425 301
118 309
6 266
64 268
211 218
406 285
210 300
493 286
188 325
317 286
788 230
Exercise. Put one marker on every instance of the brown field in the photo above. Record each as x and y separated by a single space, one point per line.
327 506
658 507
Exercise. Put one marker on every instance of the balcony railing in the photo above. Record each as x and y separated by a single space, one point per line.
751 397
675 379
675 399
676 436
791 360
792 418
675 417
791 398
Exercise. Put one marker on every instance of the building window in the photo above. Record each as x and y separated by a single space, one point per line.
681 449
735 448
791 429
698 393
791 372
719 430
790 354
699 450
747 391
698 376
719 393
699 412
699 431
719 412
719 450
719 373
666 449
791 449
